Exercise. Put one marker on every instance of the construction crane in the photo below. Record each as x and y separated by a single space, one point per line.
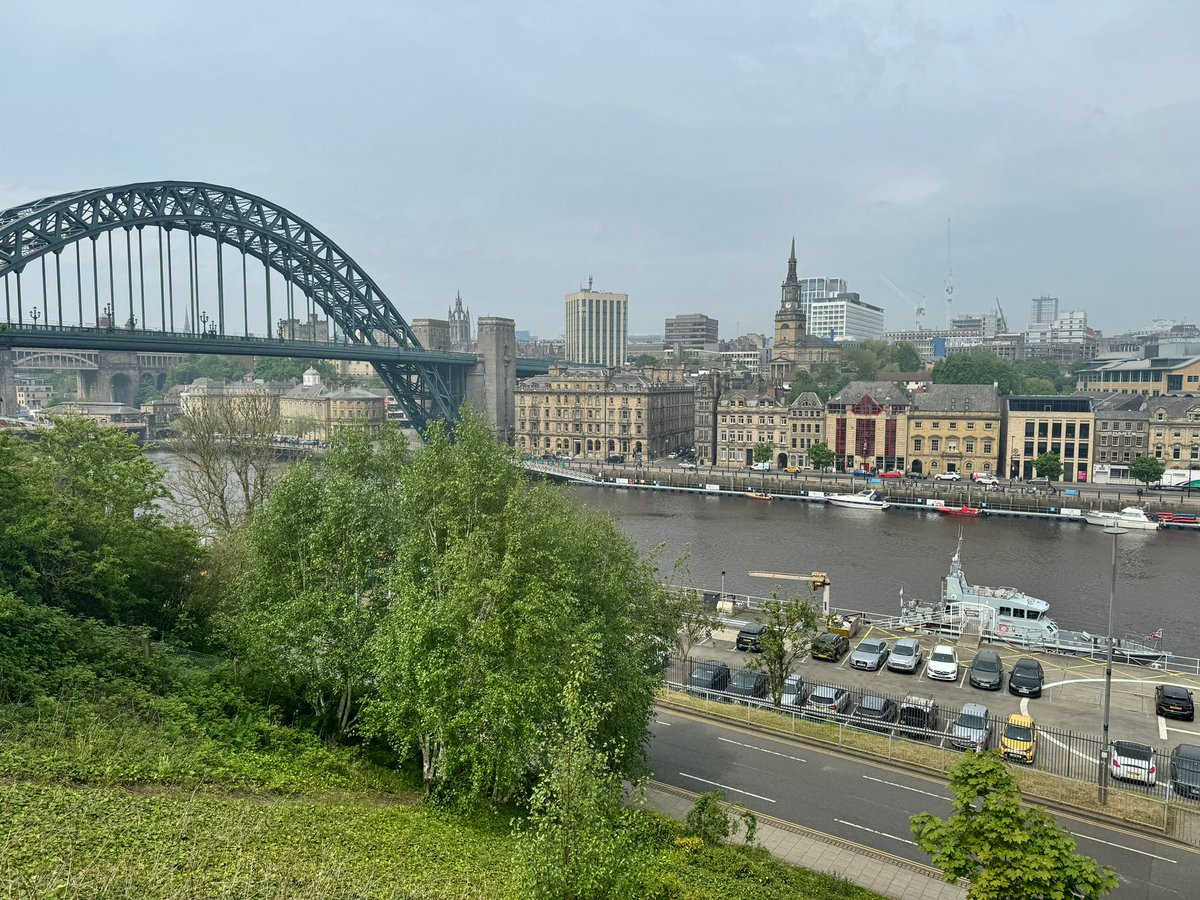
949 276
918 308
1001 322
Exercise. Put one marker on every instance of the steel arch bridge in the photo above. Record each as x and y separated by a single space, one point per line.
428 385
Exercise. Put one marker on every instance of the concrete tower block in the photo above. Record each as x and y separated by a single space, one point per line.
8 384
492 384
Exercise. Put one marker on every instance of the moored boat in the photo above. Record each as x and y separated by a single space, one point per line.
960 510
758 495
867 499
1132 517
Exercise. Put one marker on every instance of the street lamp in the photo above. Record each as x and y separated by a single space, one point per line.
1106 748
108 313
722 584
203 322
35 314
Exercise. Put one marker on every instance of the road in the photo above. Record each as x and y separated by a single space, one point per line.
870 803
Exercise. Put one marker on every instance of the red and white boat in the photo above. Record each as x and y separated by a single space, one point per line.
961 510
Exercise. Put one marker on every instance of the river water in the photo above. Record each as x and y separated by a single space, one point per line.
870 555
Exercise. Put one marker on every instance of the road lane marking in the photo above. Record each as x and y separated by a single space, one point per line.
726 787
873 831
661 722
761 749
1088 837
1162 728
1179 730
1055 741
905 787
962 679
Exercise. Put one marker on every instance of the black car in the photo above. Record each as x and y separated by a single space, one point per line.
831 646
919 718
1185 771
1026 678
748 684
710 675
876 713
616 458
748 637
1173 701
986 672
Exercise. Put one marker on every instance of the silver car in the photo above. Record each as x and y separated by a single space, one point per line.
870 655
905 656
794 691
972 728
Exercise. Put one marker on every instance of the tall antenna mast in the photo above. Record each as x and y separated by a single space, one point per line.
949 275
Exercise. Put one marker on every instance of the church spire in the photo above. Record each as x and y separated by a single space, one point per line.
791 275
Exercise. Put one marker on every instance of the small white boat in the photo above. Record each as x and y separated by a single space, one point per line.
868 499
1133 517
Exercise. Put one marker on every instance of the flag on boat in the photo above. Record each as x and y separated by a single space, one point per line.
1155 636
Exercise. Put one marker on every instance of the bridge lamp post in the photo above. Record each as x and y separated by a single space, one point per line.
108 313
35 314
203 322
1106 749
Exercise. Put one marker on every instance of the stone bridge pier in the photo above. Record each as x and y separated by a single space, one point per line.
8 383
114 380
492 384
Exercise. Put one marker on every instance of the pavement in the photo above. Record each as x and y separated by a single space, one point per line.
872 869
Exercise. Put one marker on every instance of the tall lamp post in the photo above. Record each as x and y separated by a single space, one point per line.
1106 748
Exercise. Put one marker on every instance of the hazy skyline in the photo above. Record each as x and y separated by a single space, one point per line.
671 151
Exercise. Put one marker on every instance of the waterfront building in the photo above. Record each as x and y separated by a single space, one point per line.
1174 437
691 331
458 322
315 410
597 413
846 318
954 428
1034 425
33 393
708 391
597 324
261 397
433 334
1122 432
806 426
866 426
746 419
127 418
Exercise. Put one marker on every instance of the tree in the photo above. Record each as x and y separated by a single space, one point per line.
790 628
496 586
1147 470
312 588
1050 465
830 380
1005 849
714 822
226 444
286 368
820 456
201 365
906 358
686 609
762 453
976 367
863 362
645 360
802 382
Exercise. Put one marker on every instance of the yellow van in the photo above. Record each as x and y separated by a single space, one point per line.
1018 740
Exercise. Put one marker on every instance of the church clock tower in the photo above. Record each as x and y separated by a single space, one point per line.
789 319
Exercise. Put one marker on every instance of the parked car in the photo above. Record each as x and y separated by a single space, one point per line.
985 478
972 728
792 470
1185 771
866 473
616 458
831 646
919 717
1026 678
710 675
748 637
987 671
672 455
869 654
1131 761
947 476
1040 479
1173 701
761 467
876 713
795 691
687 465
905 656
827 699
748 684
893 473
943 663
1018 740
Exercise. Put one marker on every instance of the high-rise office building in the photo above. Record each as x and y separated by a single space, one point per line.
692 331
815 288
1043 311
846 318
597 323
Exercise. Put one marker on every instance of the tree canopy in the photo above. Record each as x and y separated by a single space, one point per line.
820 456
1147 469
1026 376
286 368
1050 465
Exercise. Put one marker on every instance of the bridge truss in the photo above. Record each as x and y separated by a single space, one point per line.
312 268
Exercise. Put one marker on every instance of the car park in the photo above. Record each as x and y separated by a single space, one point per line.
943 663
795 691
830 645
869 654
748 637
876 713
919 717
1026 678
947 476
712 675
1172 701
986 671
1185 771
1131 761
827 700
905 656
748 684
1018 740
972 728
985 478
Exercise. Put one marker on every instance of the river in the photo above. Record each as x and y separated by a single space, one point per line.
869 556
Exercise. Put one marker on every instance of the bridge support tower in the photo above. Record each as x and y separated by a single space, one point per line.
8 383
492 384
115 380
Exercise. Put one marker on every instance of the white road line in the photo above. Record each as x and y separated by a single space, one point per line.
661 722
962 679
1055 741
873 831
1162 728
1088 837
761 749
726 787
905 787
1179 730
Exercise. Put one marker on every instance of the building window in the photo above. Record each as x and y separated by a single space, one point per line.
934 444
917 444
970 447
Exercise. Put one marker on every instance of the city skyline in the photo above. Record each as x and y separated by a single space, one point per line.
679 173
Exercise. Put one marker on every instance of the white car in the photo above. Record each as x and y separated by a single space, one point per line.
761 467
687 465
1132 761
947 476
943 663
985 478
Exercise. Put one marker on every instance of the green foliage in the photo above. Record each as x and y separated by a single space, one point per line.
714 821
802 382
687 612
790 628
1049 464
283 368
1026 376
830 380
906 358
222 368
1147 469
82 528
497 586
648 359
762 453
1005 849
820 456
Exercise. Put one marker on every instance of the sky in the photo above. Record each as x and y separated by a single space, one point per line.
669 150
